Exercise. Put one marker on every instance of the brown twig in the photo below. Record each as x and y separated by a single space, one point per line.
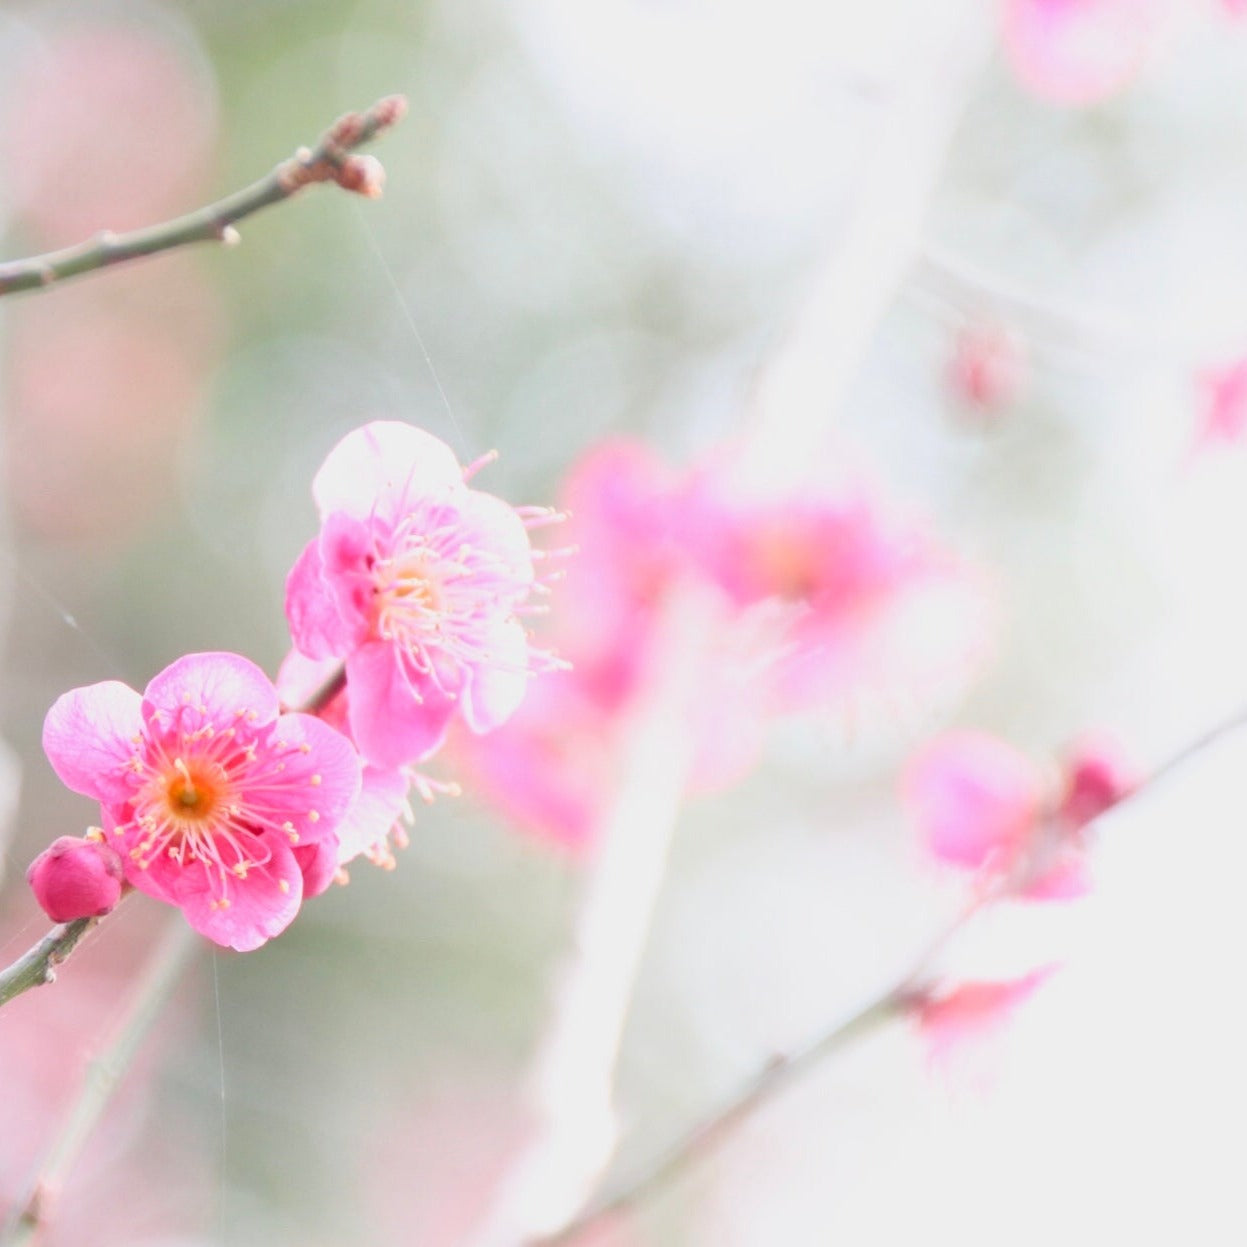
331 160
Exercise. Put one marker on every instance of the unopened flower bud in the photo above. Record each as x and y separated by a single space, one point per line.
76 878
365 175
1096 778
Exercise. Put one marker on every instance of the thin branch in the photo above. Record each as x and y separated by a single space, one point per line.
708 1136
329 161
37 965
103 1075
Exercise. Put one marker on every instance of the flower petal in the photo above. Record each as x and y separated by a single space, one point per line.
494 690
493 525
88 736
258 907
395 718
319 865
218 686
374 470
316 624
382 802
318 782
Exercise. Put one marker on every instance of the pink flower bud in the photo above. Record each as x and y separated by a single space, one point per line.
1096 779
988 368
76 878
365 175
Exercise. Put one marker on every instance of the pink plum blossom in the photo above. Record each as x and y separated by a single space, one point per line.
77 878
1079 51
208 790
413 582
983 806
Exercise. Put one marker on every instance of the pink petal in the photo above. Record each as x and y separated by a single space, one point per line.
259 908
974 1010
316 624
88 736
321 777
218 685
493 525
395 718
493 692
374 470
973 797
318 864
382 803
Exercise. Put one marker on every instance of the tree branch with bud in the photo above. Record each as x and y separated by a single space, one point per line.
332 159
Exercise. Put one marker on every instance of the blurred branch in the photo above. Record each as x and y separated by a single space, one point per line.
572 1084
805 378
708 1136
38 965
331 160
953 282
30 1210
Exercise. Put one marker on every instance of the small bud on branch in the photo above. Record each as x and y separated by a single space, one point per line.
331 160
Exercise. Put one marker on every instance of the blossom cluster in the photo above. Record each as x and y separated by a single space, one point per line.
812 592
985 808
235 798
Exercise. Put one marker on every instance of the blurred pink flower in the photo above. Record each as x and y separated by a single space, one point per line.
1222 404
972 1011
983 806
552 767
414 581
117 111
976 800
1079 51
806 589
988 368
103 383
76 878
207 788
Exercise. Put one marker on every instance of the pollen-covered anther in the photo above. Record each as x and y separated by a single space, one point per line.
313 816
315 781
283 886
